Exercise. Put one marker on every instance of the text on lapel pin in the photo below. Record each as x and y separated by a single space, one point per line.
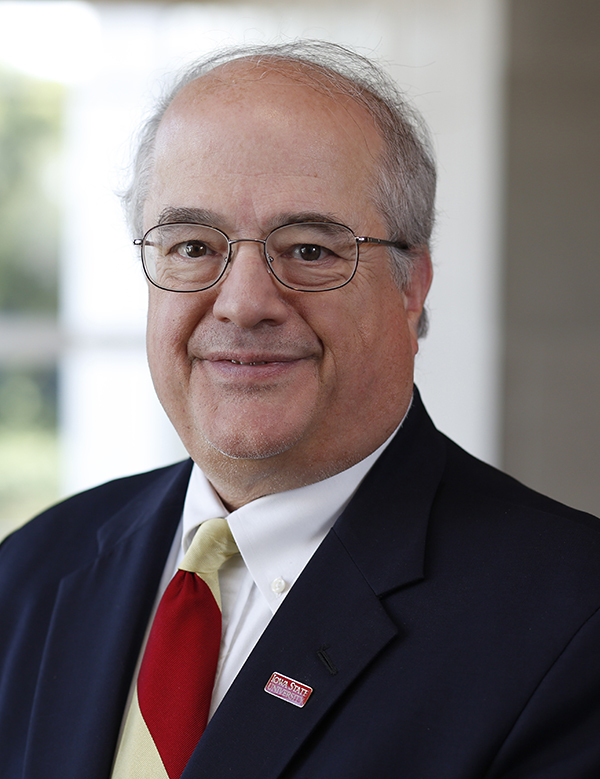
288 689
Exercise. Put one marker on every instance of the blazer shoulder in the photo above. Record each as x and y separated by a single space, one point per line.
69 530
474 478
501 531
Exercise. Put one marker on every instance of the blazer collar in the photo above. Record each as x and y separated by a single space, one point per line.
162 497
384 527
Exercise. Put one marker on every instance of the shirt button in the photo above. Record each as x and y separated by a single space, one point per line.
278 585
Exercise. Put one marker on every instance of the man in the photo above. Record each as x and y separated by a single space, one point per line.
426 615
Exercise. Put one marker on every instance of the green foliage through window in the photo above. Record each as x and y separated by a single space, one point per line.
30 131
30 193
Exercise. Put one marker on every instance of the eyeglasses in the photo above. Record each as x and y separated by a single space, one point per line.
307 257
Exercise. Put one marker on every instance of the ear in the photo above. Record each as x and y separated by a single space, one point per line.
415 292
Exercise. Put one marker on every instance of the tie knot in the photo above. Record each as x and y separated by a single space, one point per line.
212 545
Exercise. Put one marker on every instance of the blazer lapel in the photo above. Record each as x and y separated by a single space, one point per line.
95 636
332 624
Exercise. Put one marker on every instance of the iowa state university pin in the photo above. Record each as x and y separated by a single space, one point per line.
288 689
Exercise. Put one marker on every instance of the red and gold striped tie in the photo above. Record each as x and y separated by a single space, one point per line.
170 709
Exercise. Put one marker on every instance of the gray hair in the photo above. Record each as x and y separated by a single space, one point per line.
404 190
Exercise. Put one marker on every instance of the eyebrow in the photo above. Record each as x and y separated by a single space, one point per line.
304 216
176 214
172 214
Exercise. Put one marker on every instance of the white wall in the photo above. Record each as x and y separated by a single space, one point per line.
446 53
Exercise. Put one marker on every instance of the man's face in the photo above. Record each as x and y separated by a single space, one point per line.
270 388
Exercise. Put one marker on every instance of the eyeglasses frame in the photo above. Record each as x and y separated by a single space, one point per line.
359 239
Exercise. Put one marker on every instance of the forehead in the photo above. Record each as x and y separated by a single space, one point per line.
245 121
286 97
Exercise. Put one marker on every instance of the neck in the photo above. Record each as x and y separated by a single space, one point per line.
240 481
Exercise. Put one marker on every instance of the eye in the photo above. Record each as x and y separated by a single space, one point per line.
191 249
309 252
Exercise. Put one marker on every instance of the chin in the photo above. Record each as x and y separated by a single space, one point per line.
250 445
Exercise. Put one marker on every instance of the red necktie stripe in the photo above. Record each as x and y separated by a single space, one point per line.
178 671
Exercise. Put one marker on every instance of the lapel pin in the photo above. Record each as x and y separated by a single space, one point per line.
288 689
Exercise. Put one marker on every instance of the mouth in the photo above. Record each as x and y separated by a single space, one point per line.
253 368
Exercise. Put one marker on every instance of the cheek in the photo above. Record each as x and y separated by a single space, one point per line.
379 357
169 327
350 334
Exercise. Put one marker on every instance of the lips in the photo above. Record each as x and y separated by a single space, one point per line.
254 368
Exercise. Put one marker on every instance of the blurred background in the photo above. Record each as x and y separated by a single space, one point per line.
511 92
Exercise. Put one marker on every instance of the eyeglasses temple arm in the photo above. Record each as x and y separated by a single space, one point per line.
140 241
382 242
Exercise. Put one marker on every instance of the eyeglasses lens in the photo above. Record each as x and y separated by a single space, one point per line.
312 256
184 257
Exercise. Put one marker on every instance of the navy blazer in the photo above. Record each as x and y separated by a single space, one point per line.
448 625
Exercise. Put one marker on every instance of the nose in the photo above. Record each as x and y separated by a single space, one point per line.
249 294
